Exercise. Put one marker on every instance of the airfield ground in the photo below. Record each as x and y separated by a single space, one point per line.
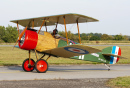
93 76
63 83
67 74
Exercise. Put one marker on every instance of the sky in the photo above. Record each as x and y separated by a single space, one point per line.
113 15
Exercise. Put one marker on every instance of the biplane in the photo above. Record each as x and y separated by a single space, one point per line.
49 44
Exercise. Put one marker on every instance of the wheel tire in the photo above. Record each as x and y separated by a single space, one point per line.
26 66
41 66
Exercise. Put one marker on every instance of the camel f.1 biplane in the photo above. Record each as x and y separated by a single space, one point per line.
46 43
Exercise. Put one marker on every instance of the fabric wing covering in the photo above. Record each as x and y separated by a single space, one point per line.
51 20
71 51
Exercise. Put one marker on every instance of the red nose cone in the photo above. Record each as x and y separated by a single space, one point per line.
28 40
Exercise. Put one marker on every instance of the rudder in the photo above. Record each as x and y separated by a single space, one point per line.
113 52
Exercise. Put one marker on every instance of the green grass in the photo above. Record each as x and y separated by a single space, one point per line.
119 82
7 43
17 56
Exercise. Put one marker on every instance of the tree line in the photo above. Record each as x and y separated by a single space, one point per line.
94 36
10 35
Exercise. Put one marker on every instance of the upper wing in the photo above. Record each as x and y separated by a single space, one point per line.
71 51
51 20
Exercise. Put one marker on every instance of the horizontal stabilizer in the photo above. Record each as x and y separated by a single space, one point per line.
114 55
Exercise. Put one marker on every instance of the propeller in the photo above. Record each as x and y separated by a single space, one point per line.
20 36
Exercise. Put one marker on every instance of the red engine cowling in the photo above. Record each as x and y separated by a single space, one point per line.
28 40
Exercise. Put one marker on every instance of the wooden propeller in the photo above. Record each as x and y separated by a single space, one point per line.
20 36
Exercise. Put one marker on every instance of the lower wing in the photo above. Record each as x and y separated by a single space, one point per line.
71 51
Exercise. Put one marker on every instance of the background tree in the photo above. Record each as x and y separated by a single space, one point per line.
71 36
105 37
95 38
2 31
118 37
125 37
11 34
111 37
84 36
97 34
89 35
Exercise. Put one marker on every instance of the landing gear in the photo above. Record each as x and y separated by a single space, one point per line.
107 67
41 66
28 67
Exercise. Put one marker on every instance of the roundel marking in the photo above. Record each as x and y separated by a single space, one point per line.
76 50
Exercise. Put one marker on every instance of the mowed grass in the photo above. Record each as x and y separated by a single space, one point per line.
17 56
119 82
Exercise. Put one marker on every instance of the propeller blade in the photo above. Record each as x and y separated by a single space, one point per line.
20 36
15 44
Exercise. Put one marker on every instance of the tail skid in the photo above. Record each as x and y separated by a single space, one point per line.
107 67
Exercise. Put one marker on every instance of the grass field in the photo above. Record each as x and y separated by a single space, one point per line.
119 82
17 56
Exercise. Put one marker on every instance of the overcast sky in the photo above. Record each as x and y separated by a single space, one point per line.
113 15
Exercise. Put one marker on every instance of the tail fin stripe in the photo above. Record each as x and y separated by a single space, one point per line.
115 50
111 61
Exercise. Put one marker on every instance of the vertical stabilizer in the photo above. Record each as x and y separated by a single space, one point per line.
114 50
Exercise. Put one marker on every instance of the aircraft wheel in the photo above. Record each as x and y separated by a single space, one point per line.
27 67
41 66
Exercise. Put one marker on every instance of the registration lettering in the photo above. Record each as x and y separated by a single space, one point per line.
102 60
95 54
81 57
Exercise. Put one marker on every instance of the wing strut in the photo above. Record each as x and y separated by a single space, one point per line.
33 24
57 22
36 54
65 29
18 28
45 26
41 26
78 32
29 57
